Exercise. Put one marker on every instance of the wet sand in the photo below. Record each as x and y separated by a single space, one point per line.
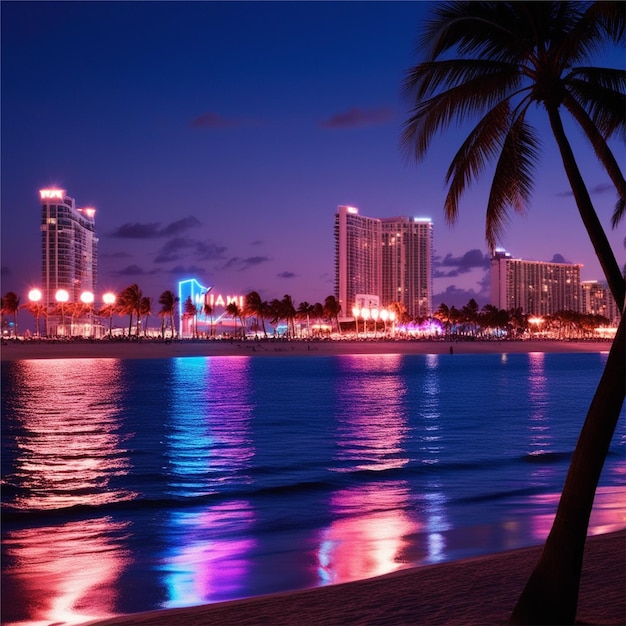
478 591
33 349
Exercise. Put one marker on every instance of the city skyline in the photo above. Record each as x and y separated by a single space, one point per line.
216 141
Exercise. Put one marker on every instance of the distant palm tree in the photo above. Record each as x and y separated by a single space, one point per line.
289 313
207 311
232 308
332 308
10 306
129 303
168 301
145 310
190 313
304 312
496 61
255 307
37 310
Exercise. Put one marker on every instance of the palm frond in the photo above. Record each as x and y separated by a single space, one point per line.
606 107
460 103
512 181
618 214
482 146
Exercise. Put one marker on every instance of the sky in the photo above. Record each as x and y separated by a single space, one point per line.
217 139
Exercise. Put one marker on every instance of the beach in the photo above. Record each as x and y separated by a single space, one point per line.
146 349
478 591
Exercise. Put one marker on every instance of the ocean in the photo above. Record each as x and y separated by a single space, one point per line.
133 485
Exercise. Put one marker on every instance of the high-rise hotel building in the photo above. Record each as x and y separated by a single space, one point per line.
598 300
69 246
535 287
388 258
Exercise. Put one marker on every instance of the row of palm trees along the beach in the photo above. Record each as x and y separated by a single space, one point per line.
262 318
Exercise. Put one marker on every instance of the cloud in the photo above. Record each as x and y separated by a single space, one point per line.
182 247
286 275
239 264
559 258
453 296
357 117
188 270
153 230
472 259
215 120
115 255
596 190
134 270
5 271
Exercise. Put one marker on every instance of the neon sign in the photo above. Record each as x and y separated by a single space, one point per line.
49 194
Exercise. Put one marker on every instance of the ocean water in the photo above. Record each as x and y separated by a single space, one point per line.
132 485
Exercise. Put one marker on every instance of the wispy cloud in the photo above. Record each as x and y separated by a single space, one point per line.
596 190
134 270
211 119
357 117
153 230
239 264
472 259
286 275
181 248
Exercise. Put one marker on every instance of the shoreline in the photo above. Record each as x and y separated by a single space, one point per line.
152 349
477 591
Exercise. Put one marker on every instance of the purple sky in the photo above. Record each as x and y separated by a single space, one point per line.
216 140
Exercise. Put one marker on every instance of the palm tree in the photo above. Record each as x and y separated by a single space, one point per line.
332 308
10 306
145 310
255 307
168 302
232 308
207 310
496 61
304 312
129 303
190 313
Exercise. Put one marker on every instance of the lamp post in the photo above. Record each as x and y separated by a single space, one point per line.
109 299
34 295
87 299
62 296
374 314
384 316
365 314
355 313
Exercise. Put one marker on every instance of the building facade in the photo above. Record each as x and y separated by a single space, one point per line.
69 247
535 287
388 259
597 299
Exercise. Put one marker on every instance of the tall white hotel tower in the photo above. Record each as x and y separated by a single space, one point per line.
387 258
69 247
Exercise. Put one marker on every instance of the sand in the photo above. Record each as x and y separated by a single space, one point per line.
478 591
33 349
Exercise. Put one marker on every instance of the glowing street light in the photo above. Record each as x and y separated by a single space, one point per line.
109 299
87 299
35 295
62 296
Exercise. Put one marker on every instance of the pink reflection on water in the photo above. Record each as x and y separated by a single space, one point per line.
370 535
608 513
70 448
203 563
65 574
209 445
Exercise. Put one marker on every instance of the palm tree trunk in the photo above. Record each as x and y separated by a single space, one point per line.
590 219
551 593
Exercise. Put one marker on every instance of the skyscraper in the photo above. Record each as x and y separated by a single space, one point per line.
598 300
389 259
535 287
69 247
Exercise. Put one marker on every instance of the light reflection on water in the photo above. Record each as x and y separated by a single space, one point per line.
206 479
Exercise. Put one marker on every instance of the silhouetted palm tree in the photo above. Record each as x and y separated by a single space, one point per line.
168 301
232 308
129 303
10 306
145 310
332 308
495 61
255 307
